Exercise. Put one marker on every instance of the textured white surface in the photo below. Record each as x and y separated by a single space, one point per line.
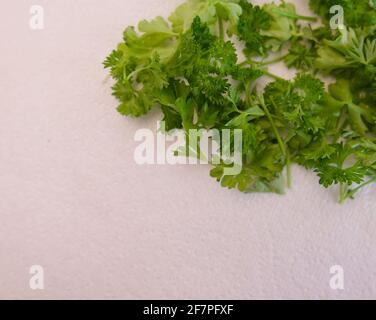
73 200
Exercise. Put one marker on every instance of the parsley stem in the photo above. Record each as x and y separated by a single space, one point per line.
274 127
288 169
282 145
343 192
341 124
276 60
247 94
351 193
135 72
271 75
294 16
221 29
263 63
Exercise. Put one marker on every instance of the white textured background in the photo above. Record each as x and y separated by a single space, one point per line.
73 200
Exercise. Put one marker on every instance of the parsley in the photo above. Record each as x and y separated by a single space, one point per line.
190 66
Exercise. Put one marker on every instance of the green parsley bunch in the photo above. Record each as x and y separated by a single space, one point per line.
191 68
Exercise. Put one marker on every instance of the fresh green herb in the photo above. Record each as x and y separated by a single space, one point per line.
190 66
